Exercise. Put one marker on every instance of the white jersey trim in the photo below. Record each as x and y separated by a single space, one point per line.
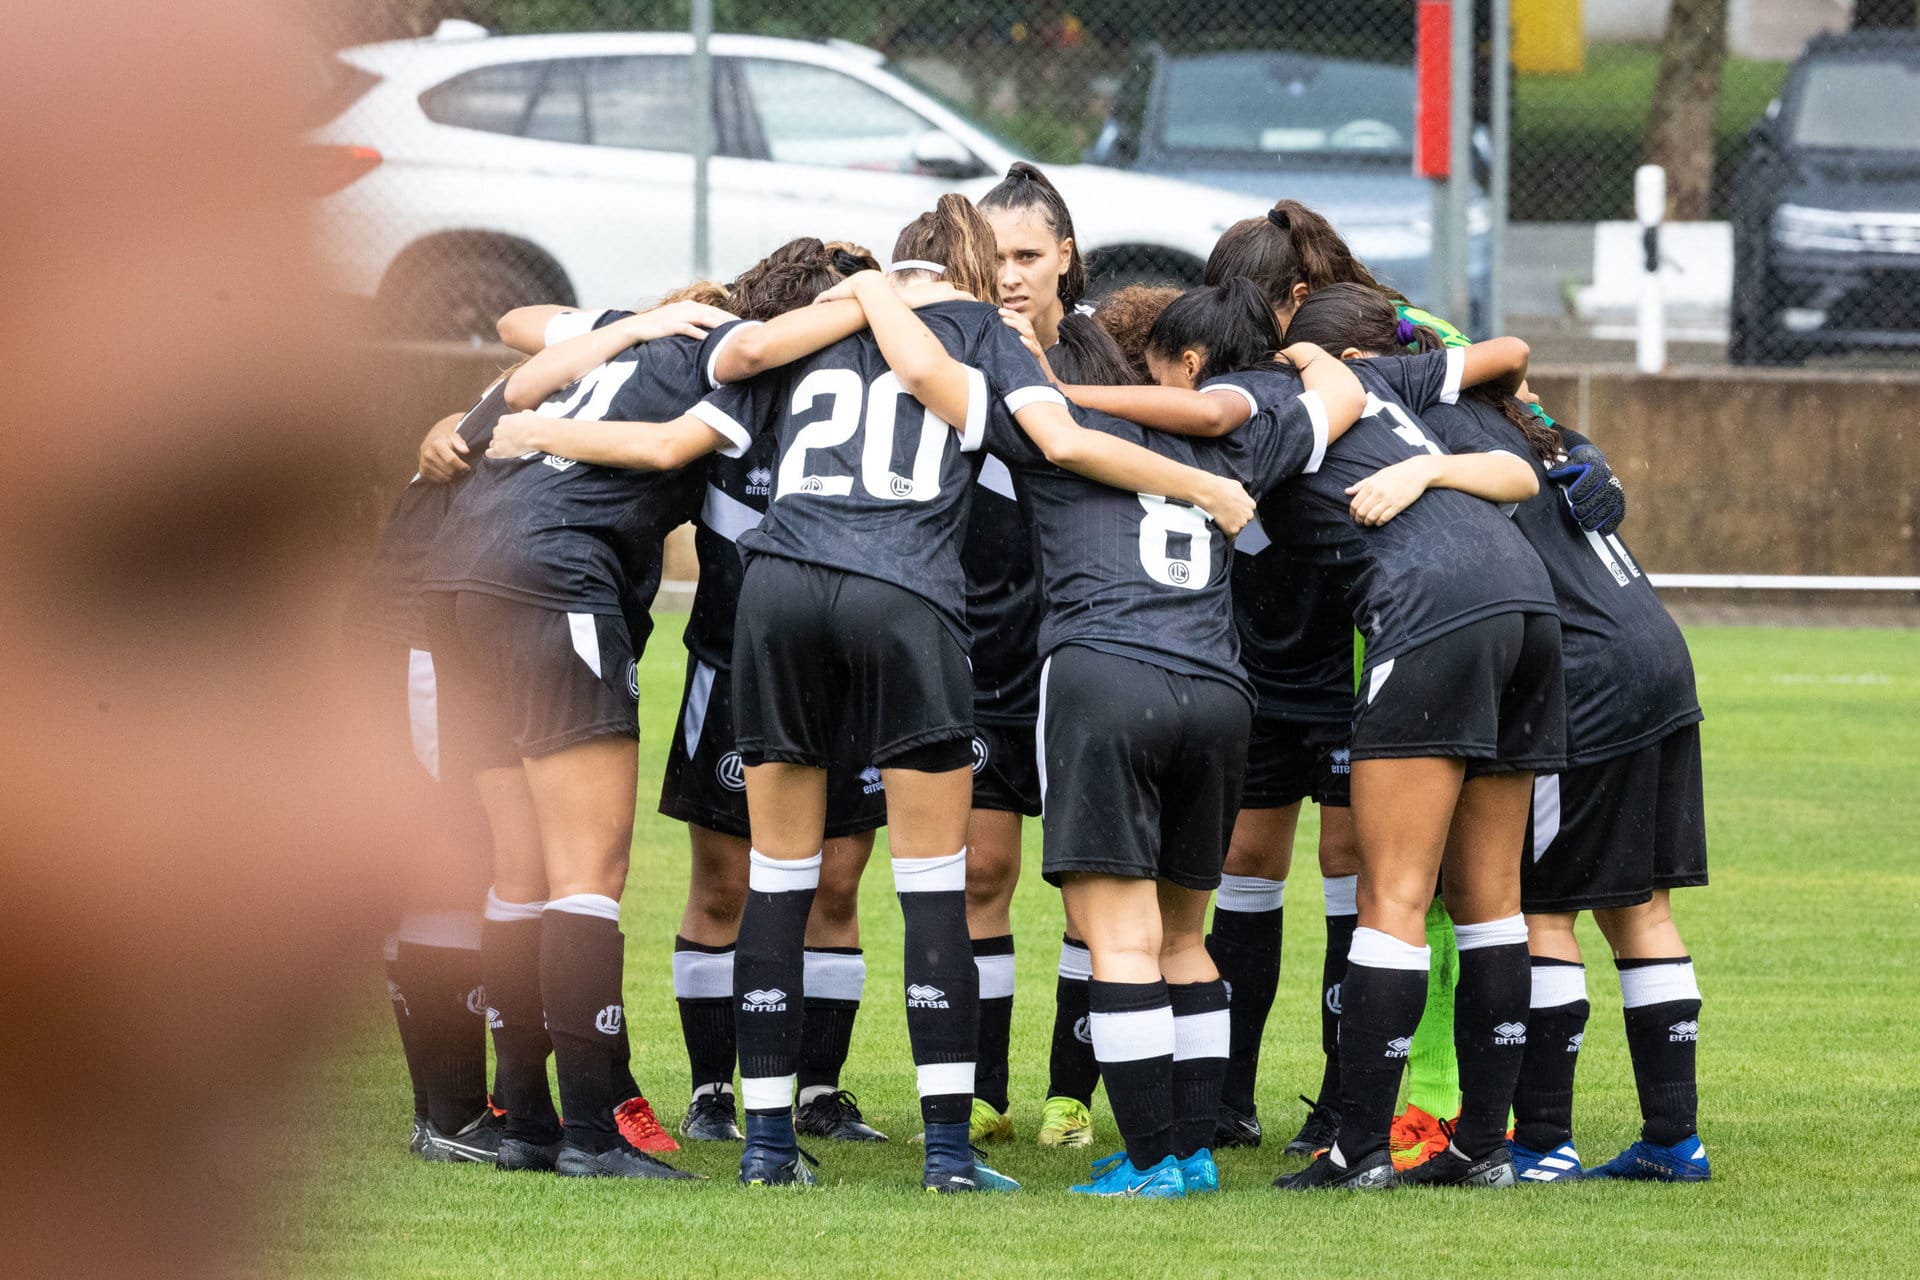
693 720
713 357
995 477
586 639
974 433
726 515
1253 406
736 436
1456 370
1316 414
1020 397
570 324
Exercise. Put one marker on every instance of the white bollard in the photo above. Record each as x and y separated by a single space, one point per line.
1650 210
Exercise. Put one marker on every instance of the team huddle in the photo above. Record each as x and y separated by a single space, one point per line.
972 551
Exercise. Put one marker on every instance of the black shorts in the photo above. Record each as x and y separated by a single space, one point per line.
1291 760
1140 768
705 783
516 680
1006 772
1609 834
1491 692
819 654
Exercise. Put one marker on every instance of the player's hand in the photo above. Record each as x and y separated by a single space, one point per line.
843 291
1594 494
1302 354
1525 395
1028 339
686 319
443 456
1389 491
517 434
1227 503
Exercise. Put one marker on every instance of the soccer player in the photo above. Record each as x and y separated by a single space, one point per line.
1620 828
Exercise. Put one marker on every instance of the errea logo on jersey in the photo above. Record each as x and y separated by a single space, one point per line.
1688 1030
1398 1046
1343 761
609 1020
924 997
759 482
762 1000
730 772
1510 1033
980 754
870 781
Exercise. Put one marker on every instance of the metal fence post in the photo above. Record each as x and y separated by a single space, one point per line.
702 134
1454 285
1500 125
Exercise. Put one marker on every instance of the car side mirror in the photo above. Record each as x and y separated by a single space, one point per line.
938 156
1115 146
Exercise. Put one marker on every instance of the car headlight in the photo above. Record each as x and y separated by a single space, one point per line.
1800 227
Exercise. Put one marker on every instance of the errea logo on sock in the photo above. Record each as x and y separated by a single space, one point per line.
759 1000
493 1019
1573 1042
609 1020
1688 1030
1398 1046
1510 1033
920 997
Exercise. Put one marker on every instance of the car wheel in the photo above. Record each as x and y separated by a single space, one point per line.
459 291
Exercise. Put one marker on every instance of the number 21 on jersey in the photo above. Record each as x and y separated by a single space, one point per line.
1160 553
846 395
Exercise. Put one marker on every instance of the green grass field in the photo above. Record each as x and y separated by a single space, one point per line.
1806 943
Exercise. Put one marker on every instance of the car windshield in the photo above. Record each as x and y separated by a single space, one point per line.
926 85
1867 104
1288 104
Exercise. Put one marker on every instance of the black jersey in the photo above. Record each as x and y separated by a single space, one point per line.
563 534
1005 605
386 598
867 481
1146 577
736 496
1629 675
1447 560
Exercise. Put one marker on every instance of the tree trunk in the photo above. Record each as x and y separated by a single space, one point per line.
1680 123
1884 13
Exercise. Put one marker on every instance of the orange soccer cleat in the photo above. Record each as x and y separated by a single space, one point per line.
641 1128
1416 1138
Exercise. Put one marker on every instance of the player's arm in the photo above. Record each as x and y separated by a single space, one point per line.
442 451
834 315
525 328
925 369
637 446
1216 411
1124 465
1499 361
1341 394
1498 477
566 362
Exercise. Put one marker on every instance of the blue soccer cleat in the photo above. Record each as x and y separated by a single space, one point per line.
1200 1173
1684 1161
1562 1164
1115 1177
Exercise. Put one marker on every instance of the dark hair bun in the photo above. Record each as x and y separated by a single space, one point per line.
1280 218
848 263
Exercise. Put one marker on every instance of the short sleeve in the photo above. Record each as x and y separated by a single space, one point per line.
1287 438
1009 372
1422 381
740 411
716 341
571 324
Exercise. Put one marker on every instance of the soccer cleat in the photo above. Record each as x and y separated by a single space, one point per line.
1372 1173
1415 1137
618 1161
771 1167
641 1128
947 1177
1452 1167
1065 1122
1200 1173
517 1155
835 1116
1115 1177
1235 1128
1562 1164
1684 1161
478 1142
1321 1128
709 1118
988 1125
417 1141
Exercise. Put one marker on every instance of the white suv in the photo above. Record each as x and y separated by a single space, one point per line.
471 173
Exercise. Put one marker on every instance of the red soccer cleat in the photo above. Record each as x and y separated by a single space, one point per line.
1416 1138
641 1128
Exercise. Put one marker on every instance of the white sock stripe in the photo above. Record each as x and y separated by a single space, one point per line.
1658 984
500 910
1202 1035
766 1093
1133 1035
1250 894
1342 894
459 929
931 875
1076 962
1378 950
1490 933
587 904
996 976
782 875
703 975
1558 984
831 975
936 1079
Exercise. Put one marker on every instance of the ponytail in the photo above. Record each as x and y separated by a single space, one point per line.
953 234
1231 322
1025 187
1291 245
1088 356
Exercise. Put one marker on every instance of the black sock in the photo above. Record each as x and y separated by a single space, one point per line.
836 978
1245 946
1340 893
703 988
1489 1028
1132 1028
1381 1000
1071 1069
582 954
449 1014
943 987
993 960
510 963
1662 1002
1557 1021
410 1046
1202 1037
769 984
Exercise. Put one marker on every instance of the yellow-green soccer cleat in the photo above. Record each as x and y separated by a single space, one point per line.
988 1125
1065 1122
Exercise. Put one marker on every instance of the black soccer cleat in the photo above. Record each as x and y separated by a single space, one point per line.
771 1167
618 1161
417 1141
518 1155
836 1116
1371 1173
1450 1167
1236 1128
709 1118
1321 1128
478 1142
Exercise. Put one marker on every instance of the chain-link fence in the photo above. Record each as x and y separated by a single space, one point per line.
479 154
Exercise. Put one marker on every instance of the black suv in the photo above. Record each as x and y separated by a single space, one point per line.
1826 205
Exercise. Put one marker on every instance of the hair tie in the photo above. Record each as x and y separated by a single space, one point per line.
848 263
1404 331
1279 218
1083 308
917 264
